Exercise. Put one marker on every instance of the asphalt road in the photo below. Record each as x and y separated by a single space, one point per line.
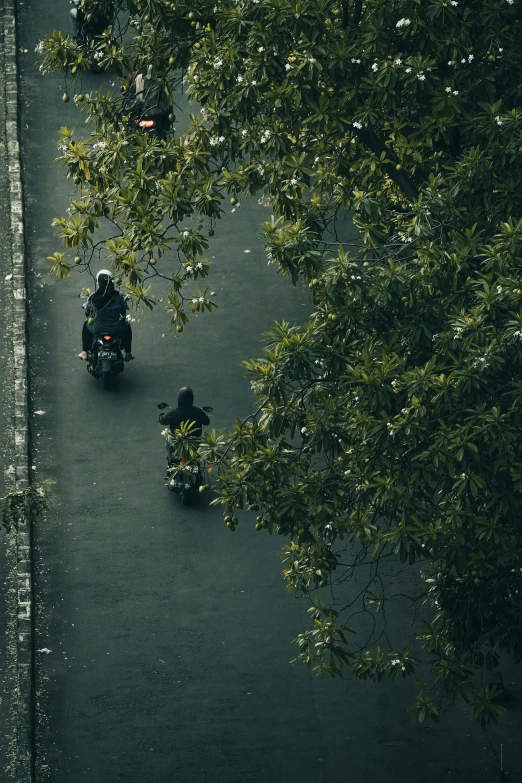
169 637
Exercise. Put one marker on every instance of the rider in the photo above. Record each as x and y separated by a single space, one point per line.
185 411
97 23
106 312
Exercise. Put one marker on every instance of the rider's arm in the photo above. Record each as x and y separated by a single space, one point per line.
166 418
123 306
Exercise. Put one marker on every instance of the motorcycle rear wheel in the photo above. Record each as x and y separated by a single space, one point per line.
106 380
186 497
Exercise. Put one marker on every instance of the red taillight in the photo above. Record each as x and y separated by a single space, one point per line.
146 123
107 337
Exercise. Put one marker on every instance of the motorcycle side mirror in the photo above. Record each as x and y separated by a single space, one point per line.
207 409
163 405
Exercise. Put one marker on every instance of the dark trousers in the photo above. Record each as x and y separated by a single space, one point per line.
123 330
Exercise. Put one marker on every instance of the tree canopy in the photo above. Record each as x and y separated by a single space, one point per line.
389 424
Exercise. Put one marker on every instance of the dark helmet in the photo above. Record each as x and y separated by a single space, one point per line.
185 397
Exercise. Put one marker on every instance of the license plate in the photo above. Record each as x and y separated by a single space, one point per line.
108 355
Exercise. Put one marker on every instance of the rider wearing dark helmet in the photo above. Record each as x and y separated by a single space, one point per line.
186 411
96 24
106 313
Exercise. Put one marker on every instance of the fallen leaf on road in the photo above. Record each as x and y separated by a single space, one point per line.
45 650
39 413
8 277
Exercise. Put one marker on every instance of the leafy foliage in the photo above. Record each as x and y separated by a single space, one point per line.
31 502
389 426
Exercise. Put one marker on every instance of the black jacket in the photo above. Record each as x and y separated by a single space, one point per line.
185 411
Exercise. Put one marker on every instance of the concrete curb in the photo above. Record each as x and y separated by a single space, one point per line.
24 699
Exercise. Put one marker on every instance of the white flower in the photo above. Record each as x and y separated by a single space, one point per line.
253 82
357 125
311 60
355 60
218 63
201 299
261 49
394 384
454 3
398 61
450 62
244 132
199 265
303 430
448 89
510 2
195 301
39 47
471 57
455 92
403 22
287 66
375 67
498 120
185 233
293 181
189 269
395 662
499 289
421 77
239 79
408 70
463 475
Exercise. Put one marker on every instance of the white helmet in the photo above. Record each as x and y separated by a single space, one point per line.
103 273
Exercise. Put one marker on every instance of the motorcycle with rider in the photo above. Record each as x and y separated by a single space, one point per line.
106 332
186 468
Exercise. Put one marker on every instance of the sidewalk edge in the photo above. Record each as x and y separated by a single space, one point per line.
24 707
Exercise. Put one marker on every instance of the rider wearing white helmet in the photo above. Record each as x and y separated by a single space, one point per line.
106 312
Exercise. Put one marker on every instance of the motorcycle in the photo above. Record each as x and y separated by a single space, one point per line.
144 108
105 359
187 471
